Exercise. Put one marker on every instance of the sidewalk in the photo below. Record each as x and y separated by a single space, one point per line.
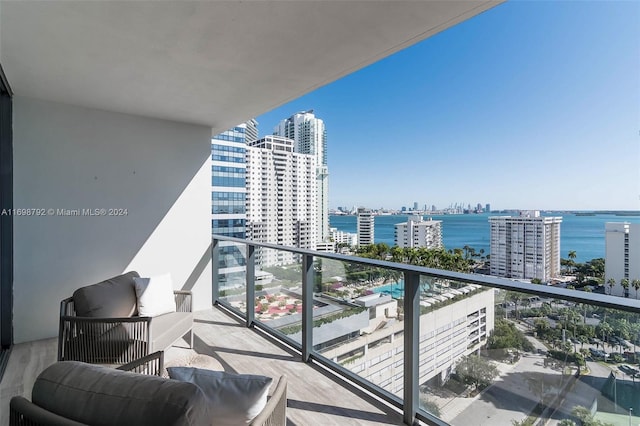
508 398
456 405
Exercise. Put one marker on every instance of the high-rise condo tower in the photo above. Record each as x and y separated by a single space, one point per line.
525 246
310 137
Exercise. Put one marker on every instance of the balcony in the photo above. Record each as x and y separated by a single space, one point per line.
234 348
379 358
366 321
96 125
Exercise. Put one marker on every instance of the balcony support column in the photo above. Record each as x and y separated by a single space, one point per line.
411 344
251 284
215 276
307 307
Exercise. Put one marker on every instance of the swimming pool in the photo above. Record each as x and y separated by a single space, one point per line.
396 290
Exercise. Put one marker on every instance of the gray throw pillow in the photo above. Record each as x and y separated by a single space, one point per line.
112 298
234 399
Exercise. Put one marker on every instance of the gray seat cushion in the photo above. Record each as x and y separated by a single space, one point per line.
99 395
112 298
167 328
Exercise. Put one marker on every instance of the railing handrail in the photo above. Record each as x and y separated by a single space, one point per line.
603 300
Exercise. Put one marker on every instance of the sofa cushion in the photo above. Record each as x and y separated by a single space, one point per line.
155 295
112 298
234 399
99 395
167 328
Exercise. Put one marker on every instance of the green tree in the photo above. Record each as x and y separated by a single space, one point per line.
526 422
477 371
624 282
467 250
429 405
635 283
586 418
611 282
506 335
516 298
583 339
571 263
604 329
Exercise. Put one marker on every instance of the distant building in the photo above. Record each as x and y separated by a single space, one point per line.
341 237
326 246
416 232
525 246
228 193
487 208
415 205
310 137
622 256
281 198
366 224
447 334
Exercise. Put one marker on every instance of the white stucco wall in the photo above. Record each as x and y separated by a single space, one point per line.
68 157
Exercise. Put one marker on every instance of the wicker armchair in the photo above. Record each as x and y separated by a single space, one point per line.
66 391
23 412
275 412
121 340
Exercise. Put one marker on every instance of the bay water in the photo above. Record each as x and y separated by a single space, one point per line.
581 233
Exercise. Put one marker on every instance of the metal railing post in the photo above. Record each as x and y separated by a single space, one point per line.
307 307
215 271
411 342
251 284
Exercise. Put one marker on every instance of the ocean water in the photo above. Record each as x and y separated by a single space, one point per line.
582 234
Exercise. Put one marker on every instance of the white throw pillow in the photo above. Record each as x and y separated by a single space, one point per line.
155 295
235 398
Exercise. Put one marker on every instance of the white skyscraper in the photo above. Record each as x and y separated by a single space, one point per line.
622 257
526 246
281 198
366 225
310 137
416 232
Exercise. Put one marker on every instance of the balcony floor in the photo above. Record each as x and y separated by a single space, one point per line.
314 397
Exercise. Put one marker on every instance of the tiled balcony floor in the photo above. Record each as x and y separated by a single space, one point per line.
314 398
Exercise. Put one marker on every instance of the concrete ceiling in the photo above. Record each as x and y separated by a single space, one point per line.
215 63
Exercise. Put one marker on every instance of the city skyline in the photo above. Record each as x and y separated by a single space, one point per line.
532 105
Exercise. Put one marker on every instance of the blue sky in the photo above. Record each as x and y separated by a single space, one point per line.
531 105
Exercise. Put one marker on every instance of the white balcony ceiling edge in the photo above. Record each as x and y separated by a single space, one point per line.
212 63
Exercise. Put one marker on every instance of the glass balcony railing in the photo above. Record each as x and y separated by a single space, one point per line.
443 347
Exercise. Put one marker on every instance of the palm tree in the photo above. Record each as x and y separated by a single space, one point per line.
635 283
466 249
514 297
606 331
612 283
572 257
624 282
